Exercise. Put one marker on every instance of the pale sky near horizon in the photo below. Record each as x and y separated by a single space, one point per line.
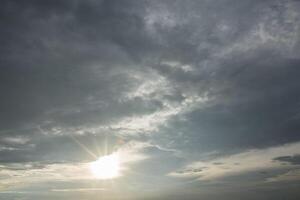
199 99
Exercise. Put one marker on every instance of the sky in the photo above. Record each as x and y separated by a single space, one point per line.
200 99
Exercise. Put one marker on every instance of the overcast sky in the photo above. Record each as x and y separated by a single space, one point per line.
200 98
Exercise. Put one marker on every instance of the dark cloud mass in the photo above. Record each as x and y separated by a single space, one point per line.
295 159
200 97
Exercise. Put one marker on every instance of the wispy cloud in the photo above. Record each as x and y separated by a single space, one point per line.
236 164
78 189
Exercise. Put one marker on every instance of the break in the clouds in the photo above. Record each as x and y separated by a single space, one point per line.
196 97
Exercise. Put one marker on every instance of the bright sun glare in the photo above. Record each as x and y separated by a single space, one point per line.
106 167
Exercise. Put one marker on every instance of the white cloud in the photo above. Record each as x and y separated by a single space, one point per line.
16 140
249 161
131 152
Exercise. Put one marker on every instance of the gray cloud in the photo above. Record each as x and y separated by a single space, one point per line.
194 80
295 159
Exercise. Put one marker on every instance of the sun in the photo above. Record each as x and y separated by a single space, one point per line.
106 167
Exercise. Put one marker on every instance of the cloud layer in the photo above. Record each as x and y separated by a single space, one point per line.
181 83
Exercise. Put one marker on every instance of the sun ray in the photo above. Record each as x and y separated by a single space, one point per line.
84 147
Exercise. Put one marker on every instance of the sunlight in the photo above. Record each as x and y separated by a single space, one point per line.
106 167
